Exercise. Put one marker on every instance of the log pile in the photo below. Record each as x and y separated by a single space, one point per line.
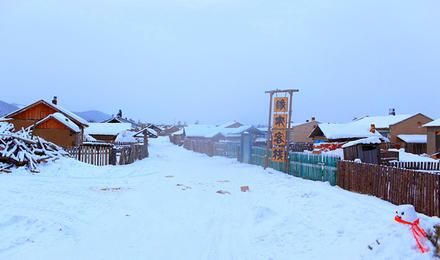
18 149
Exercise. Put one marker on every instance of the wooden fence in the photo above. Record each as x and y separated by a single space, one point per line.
398 186
227 149
304 165
314 167
101 155
422 166
98 155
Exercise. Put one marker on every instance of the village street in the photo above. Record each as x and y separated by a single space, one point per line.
168 207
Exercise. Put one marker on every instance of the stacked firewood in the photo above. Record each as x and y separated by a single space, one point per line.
20 148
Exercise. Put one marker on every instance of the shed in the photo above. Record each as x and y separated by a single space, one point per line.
367 150
416 144
433 139
107 132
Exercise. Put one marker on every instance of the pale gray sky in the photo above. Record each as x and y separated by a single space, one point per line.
212 60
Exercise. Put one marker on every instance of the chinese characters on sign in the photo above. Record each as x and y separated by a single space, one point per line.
281 105
279 128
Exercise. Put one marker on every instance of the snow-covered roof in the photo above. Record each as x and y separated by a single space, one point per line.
382 121
180 132
69 114
229 124
229 132
121 120
209 131
150 132
62 119
433 123
262 129
58 108
369 140
414 139
107 128
200 130
346 131
89 138
126 137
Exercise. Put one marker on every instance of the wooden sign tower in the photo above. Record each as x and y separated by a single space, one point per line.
280 118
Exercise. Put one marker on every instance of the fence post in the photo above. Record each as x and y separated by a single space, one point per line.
113 156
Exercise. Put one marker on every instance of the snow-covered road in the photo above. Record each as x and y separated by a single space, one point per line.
167 207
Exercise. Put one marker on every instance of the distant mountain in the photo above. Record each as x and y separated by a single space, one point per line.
6 108
93 116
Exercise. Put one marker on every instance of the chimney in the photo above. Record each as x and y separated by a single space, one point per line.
373 128
392 112
55 100
119 113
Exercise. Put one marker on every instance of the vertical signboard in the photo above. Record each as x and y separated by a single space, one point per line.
280 113
279 129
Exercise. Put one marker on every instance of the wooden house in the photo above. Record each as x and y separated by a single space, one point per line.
119 119
391 126
178 137
433 137
299 135
341 133
51 122
169 130
201 138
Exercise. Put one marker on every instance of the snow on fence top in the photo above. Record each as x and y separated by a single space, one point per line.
107 128
433 123
414 139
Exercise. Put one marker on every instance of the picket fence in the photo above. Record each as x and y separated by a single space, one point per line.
105 154
421 166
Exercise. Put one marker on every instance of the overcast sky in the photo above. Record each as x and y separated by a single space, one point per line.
212 60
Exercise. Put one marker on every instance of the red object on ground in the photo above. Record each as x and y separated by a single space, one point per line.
417 231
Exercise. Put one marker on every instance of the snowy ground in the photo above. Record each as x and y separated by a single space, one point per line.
167 207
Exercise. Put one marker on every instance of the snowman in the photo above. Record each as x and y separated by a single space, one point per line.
407 215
